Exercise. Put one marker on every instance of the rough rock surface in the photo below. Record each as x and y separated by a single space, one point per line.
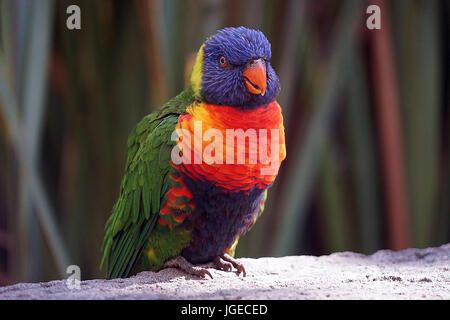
407 274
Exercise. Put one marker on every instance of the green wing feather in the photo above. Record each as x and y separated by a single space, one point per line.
143 188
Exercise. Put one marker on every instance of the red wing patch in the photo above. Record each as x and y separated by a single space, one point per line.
178 205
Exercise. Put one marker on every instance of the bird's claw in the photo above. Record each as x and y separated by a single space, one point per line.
220 264
223 262
239 266
186 266
201 272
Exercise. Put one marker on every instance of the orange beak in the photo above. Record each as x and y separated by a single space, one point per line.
255 77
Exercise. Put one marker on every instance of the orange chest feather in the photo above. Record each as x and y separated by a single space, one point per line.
237 149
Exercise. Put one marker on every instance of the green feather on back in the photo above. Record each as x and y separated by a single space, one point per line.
143 188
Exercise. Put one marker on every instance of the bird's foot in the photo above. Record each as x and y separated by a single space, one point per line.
225 262
220 264
186 266
230 260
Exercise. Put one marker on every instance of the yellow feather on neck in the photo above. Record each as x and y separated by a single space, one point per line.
197 73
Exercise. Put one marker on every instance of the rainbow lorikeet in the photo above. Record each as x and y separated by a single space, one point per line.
176 211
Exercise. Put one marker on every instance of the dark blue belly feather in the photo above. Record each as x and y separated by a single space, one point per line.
219 216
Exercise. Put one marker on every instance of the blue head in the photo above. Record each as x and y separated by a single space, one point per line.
233 68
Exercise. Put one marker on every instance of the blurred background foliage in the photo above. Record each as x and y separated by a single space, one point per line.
367 119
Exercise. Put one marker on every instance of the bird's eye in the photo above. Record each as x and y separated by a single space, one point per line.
223 61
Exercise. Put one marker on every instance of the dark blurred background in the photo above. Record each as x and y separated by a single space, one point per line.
367 117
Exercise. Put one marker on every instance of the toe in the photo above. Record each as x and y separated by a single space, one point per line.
200 272
205 272
186 266
239 266
221 264
240 269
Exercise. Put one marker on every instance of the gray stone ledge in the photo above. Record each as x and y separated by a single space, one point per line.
406 274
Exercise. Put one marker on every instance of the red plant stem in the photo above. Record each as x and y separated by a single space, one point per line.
390 134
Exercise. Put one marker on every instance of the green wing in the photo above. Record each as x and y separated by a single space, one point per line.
143 189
